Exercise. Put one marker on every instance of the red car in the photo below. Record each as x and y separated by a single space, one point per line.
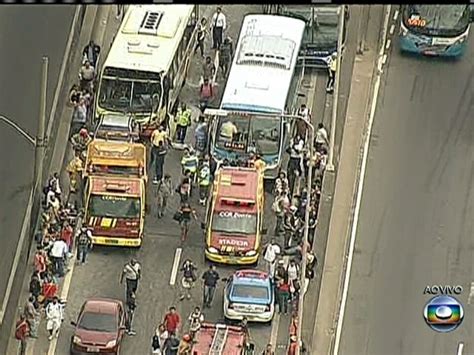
100 327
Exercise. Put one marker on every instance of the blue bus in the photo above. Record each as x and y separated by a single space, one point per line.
435 30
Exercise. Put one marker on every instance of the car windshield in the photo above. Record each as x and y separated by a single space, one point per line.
128 95
234 222
437 20
98 322
114 206
250 291
265 133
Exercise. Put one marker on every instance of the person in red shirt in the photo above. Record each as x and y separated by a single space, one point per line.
292 349
206 94
294 325
40 260
172 321
67 234
21 333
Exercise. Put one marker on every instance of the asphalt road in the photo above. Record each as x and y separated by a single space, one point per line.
27 33
416 218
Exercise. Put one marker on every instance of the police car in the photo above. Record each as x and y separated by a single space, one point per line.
249 293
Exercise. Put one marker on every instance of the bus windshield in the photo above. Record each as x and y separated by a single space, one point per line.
234 223
128 95
436 20
114 206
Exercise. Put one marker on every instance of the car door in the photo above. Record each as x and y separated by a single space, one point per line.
121 322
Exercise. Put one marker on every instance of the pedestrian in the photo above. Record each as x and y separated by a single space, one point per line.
218 24
289 225
185 345
200 136
172 345
293 271
283 295
21 333
87 76
40 259
294 163
279 211
206 93
281 183
201 36
32 316
321 137
132 273
160 151
164 191
332 73
54 317
225 55
184 188
91 53
245 330
54 184
58 254
172 321
208 70
84 244
155 345
35 286
183 121
268 350
189 162
280 271
131 306
204 181
188 279
159 144
67 234
293 347
311 263
270 256
195 320
163 335
186 212
210 278
74 170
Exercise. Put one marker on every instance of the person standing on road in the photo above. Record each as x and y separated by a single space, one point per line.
206 93
54 317
204 181
172 345
195 320
131 307
332 73
183 121
132 273
268 350
208 70
159 142
164 191
160 152
283 295
58 254
91 53
172 321
225 56
294 168
201 36
188 279
279 211
84 244
87 76
32 316
21 333
210 278
200 136
219 25
321 137
270 256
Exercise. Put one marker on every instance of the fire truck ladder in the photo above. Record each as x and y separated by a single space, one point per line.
218 342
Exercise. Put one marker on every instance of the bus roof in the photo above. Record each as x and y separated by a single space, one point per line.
110 153
263 66
122 186
234 339
149 37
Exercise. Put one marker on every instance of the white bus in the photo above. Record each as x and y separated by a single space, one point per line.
261 87
148 62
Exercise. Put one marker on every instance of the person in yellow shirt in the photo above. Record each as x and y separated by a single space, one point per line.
183 121
74 169
228 131
259 163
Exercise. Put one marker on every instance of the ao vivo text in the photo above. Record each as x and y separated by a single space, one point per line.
443 290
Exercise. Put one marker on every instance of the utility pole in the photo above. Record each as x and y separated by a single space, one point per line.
335 98
40 138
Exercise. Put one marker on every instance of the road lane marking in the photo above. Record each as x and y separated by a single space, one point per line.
392 29
360 188
174 270
387 46
460 348
384 59
471 293
395 15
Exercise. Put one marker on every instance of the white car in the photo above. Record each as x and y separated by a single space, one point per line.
117 127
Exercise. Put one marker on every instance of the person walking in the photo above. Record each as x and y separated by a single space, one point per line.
210 278
161 335
172 321
32 316
270 256
84 244
161 151
54 316
280 271
201 36
91 53
204 181
279 211
58 254
290 224
200 136
185 345
172 345
195 320
131 306
132 273
208 70
21 333
321 138
294 163
164 191
283 295
183 121
218 24
225 55
156 348
332 73
206 93
87 76
159 144
188 279
268 350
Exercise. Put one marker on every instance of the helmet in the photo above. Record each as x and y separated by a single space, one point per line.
83 132
187 337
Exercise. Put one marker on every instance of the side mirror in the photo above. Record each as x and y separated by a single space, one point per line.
73 323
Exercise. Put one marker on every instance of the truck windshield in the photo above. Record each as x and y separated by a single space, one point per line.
436 20
234 223
114 206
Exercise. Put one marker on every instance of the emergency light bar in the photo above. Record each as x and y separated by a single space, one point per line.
236 201
252 274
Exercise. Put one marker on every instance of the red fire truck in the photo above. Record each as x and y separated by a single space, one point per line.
220 339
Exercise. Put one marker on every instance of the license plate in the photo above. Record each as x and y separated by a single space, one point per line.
93 349
429 53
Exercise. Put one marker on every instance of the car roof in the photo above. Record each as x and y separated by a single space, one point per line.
117 120
251 277
102 305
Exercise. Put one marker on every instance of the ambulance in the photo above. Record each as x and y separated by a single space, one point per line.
235 216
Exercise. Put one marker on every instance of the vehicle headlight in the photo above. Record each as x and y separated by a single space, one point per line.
76 339
462 39
251 253
212 250
111 344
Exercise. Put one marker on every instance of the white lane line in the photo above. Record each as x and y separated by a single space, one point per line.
395 15
384 59
360 189
174 270
460 348
387 45
392 29
471 293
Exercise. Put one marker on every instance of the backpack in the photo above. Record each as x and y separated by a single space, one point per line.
83 239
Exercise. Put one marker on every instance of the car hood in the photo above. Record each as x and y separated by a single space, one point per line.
114 226
95 338
233 242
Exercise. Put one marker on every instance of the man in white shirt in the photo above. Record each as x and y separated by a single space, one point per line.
54 317
218 24
321 137
270 256
132 272
58 253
